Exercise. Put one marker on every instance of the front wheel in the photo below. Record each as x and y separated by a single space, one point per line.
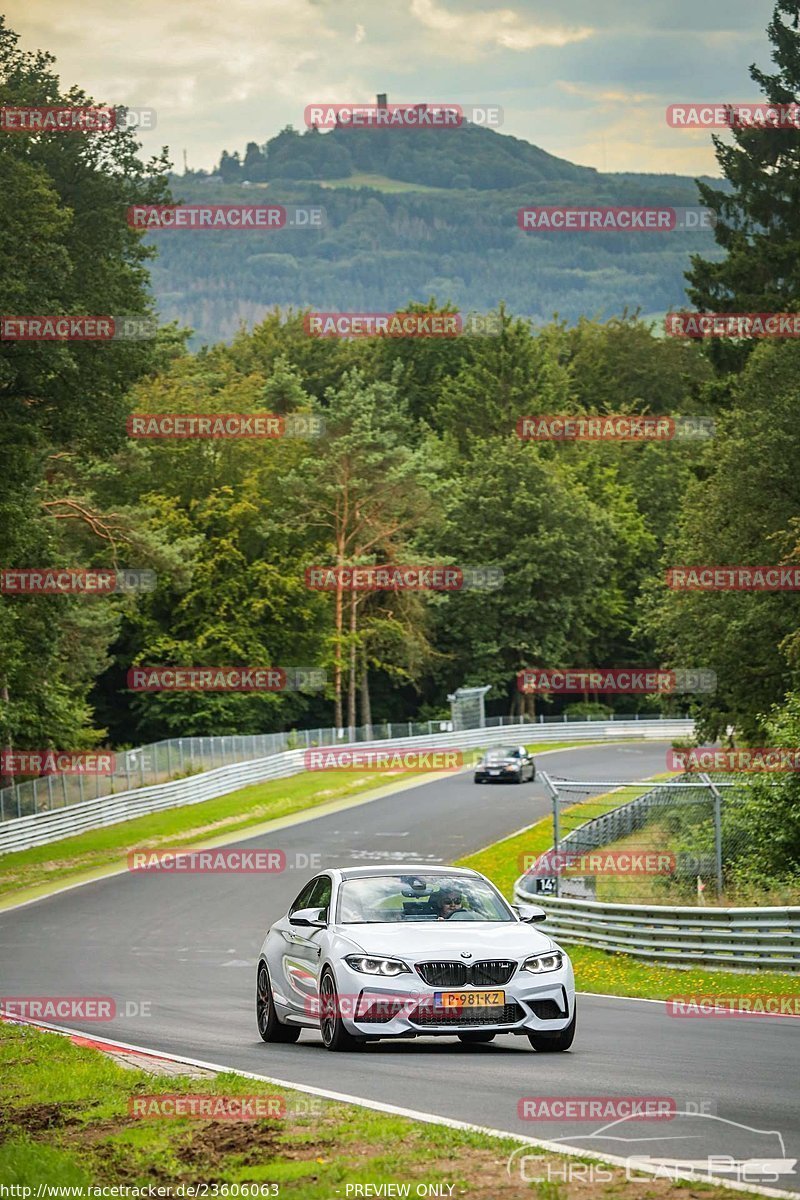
551 1043
477 1038
334 1034
270 1029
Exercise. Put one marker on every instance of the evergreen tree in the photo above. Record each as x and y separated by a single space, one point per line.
758 221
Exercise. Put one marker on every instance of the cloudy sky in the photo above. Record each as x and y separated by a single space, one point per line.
585 79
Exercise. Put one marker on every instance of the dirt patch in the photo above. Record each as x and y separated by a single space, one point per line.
33 1118
253 1142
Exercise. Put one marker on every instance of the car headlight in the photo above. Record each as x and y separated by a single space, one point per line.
511 767
376 966
553 961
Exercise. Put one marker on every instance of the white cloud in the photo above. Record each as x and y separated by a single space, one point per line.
501 28
604 95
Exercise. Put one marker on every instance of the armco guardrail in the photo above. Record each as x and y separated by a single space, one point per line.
38 829
159 762
756 938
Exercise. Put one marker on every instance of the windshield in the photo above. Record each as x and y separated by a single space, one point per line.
377 899
496 755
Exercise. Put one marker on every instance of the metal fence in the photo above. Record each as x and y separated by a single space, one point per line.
175 757
741 938
49 825
687 827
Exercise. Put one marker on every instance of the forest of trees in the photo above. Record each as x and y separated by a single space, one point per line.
419 462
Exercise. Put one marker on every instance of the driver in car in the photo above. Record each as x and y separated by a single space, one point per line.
446 903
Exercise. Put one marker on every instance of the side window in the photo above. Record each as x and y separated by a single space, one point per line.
321 897
304 899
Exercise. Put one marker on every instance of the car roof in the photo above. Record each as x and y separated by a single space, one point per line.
406 869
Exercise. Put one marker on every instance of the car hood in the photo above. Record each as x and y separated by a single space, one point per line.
448 939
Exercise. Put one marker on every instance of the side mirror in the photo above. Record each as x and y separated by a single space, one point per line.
312 917
531 914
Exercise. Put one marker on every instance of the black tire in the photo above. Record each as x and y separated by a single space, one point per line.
552 1043
334 1034
476 1037
519 777
270 1029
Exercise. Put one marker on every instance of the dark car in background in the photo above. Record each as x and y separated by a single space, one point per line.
505 764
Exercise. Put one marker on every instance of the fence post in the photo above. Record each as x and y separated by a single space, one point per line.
169 758
715 792
556 834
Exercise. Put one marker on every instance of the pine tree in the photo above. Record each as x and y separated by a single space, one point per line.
758 217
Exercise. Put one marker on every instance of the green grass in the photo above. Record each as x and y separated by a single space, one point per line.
620 974
65 1119
381 183
60 862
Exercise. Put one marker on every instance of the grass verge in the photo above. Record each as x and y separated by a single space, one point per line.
620 974
61 862
66 1122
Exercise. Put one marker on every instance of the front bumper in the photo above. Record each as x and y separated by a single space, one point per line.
404 1006
502 777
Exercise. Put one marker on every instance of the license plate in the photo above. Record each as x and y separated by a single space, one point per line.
494 772
469 999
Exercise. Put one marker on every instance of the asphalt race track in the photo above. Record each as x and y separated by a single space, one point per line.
186 945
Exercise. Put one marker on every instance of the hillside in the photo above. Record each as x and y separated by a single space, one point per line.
437 219
468 156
